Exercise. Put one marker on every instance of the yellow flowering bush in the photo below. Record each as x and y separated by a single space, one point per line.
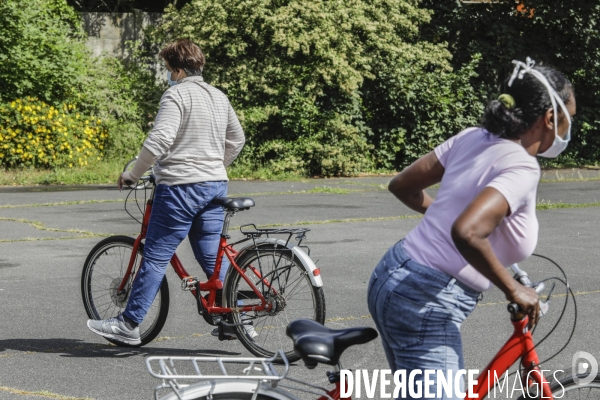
33 133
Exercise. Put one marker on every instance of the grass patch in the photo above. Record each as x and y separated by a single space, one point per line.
107 172
329 189
547 205
42 227
97 173
335 221
242 172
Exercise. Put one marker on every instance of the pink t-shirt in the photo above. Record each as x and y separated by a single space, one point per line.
475 159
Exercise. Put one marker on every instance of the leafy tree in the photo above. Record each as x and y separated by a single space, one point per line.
561 34
329 87
41 53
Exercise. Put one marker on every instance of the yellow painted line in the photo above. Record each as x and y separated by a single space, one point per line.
339 319
42 227
554 295
42 393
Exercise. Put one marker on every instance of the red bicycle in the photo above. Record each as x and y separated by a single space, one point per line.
316 344
270 282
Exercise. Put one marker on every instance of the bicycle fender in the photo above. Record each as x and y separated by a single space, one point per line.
307 262
215 387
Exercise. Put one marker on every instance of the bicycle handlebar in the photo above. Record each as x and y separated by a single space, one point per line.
146 178
523 278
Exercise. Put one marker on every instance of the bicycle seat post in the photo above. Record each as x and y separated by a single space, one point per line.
225 230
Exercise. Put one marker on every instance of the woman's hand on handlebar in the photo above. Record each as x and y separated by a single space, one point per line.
528 300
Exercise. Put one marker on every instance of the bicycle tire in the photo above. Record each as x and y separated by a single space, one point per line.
289 278
565 389
110 258
230 396
229 390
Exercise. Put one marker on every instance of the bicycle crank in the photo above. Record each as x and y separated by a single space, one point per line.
119 299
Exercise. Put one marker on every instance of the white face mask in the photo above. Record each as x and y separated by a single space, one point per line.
559 145
171 83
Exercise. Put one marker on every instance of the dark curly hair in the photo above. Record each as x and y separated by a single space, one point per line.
532 100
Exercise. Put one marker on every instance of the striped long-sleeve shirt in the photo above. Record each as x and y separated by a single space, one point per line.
196 134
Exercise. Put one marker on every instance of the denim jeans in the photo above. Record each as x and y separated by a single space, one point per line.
418 312
177 211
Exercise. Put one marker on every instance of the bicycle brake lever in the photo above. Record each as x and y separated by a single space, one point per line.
550 292
544 307
539 288
544 304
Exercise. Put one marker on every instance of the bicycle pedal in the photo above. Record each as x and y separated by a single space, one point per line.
189 283
224 336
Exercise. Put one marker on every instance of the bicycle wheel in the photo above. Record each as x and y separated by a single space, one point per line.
568 389
290 294
140 184
102 273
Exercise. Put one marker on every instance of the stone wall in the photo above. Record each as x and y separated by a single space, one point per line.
108 33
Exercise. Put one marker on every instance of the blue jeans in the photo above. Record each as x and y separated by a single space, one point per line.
418 312
177 211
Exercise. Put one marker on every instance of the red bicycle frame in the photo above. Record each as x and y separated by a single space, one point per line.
519 345
214 283
335 393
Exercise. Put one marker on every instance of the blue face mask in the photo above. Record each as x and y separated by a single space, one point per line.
171 83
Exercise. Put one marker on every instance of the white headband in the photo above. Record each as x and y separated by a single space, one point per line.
521 68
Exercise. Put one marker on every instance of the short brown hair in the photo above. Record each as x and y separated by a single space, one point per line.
184 54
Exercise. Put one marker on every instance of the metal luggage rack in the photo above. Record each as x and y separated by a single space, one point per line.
252 232
257 369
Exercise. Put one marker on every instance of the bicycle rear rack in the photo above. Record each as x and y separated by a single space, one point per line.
252 232
254 369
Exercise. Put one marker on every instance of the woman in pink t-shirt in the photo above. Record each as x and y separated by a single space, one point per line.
482 221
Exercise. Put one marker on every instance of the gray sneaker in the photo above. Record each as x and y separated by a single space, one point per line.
115 329
249 327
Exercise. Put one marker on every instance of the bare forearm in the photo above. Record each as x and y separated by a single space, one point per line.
419 201
144 161
410 184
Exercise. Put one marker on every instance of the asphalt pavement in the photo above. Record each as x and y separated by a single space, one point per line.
46 233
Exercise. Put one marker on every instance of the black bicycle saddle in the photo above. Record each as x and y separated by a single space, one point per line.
234 203
316 344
